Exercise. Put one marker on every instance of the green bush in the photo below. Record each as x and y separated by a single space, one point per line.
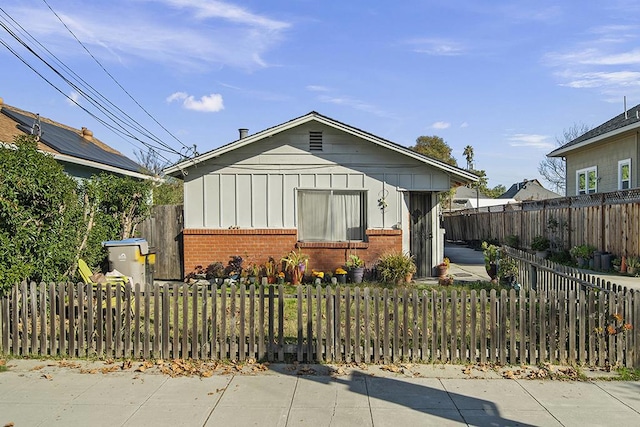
394 266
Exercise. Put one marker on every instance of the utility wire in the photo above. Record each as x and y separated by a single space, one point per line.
113 78
91 99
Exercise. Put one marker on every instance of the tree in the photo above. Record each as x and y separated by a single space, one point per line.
436 148
166 191
40 213
468 154
554 169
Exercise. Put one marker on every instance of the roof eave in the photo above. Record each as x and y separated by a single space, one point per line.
101 166
177 169
563 151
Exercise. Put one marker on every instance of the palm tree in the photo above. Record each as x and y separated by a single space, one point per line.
468 154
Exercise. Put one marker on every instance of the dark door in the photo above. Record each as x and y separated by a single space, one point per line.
421 232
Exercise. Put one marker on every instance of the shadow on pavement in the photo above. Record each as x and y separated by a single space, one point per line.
418 397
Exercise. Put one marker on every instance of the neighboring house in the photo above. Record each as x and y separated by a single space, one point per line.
467 197
81 155
316 184
605 158
528 190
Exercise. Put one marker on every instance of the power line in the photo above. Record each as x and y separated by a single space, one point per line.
119 123
112 77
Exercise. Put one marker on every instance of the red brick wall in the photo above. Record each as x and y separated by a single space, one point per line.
204 246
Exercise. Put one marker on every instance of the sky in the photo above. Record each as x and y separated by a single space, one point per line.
505 77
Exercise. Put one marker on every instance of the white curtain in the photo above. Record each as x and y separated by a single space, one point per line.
314 215
330 216
346 216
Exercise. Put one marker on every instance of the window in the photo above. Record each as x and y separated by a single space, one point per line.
587 180
331 215
624 174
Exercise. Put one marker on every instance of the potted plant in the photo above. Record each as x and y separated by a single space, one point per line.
582 253
234 270
296 263
540 245
616 263
355 265
633 264
395 266
215 272
341 275
491 254
443 268
270 270
507 270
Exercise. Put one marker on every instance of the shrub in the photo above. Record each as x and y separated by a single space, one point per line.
394 266
540 243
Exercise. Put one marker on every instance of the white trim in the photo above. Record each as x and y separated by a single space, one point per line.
562 152
186 164
622 163
585 172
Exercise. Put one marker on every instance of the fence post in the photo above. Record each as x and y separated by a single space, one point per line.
533 276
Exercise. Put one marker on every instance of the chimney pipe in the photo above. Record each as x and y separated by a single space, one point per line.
243 133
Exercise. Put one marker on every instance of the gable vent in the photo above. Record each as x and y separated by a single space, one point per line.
315 140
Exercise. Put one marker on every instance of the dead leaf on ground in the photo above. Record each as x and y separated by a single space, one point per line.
47 377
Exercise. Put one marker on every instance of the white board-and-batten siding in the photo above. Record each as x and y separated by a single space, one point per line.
255 186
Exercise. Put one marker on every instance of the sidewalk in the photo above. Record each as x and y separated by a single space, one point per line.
44 393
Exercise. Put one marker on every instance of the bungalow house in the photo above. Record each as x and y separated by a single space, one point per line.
81 155
603 159
527 190
315 184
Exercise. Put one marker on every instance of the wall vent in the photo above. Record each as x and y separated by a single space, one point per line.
315 140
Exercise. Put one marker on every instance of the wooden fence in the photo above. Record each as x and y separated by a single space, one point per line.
606 221
163 231
580 325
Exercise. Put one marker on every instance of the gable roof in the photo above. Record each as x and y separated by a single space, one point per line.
65 143
462 176
621 123
528 190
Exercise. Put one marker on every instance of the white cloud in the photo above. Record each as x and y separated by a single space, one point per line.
317 88
200 35
464 125
530 140
441 125
353 103
207 103
437 47
73 98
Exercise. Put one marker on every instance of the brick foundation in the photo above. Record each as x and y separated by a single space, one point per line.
205 246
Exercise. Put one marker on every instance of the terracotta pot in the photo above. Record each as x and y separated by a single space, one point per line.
441 270
408 278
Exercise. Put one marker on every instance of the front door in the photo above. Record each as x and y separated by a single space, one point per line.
421 232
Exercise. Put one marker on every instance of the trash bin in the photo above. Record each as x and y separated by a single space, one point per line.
133 258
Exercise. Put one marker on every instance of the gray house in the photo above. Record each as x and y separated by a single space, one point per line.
315 184
605 158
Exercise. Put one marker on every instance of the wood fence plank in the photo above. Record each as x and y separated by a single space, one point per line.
376 325
453 347
443 327
44 306
572 328
415 334
146 327
299 318
347 324
62 318
318 340
395 318
233 343
434 327
542 332
473 327
281 323
71 314
366 350
166 322
252 323
329 347
562 327
33 314
356 326
337 326
215 348
483 326
271 321
513 327
242 333
262 352
405 325
385 331
425 327
502 326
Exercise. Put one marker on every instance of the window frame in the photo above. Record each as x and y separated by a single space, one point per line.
363 212
621 164
586 172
